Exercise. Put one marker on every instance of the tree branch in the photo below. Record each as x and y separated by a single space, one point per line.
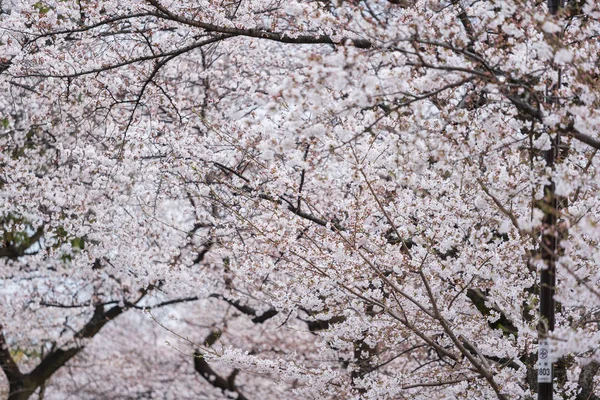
586 381
164 303
105 68
22 386
258 319
585 138
202 367
7 363
90 27
163 12
13 252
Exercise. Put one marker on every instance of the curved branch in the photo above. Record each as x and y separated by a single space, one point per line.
163 12
22 386
169 54
202 367
258 319
90 27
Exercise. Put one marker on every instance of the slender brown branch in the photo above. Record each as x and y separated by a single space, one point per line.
90 27
481 367
501 207
106 68
441 383
163 12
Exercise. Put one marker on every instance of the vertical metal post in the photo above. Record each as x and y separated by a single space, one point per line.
549 253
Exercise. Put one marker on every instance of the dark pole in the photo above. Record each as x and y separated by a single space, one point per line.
554 5
549 253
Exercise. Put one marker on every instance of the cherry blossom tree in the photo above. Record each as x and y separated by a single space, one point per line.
300 199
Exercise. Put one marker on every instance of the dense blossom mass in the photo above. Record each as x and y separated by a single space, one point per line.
298 199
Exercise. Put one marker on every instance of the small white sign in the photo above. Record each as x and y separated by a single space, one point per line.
544 362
